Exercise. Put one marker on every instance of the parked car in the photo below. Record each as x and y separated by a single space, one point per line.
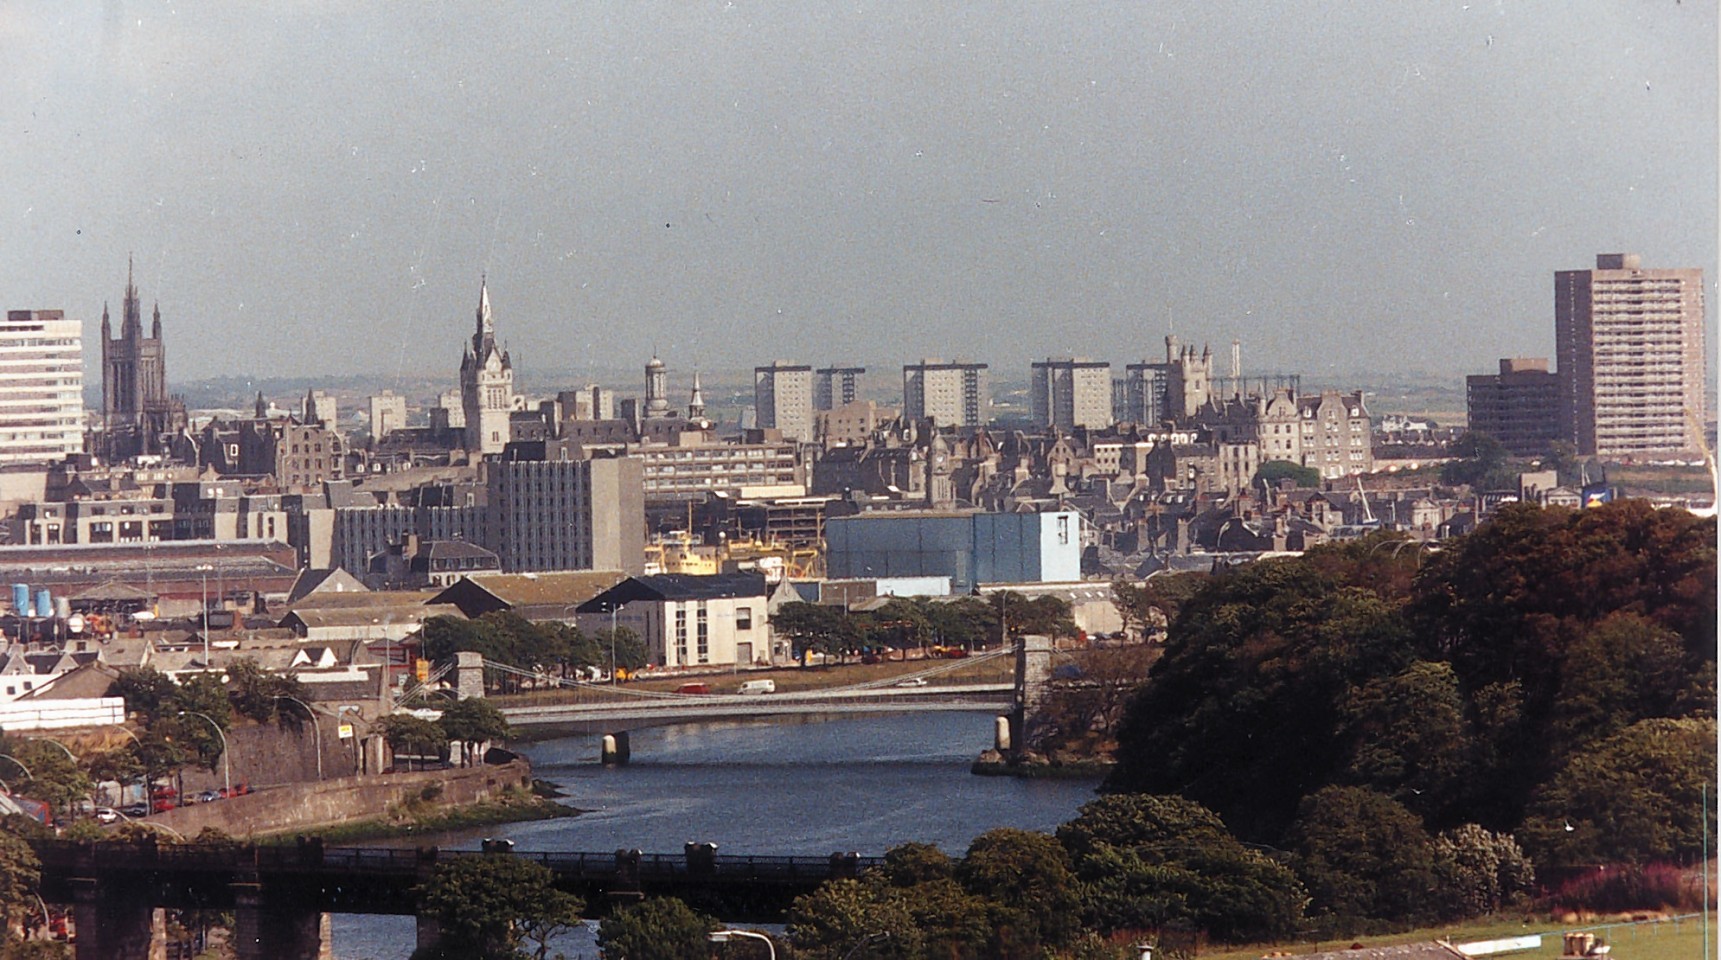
757 687
912 682
106 815
135 809
694 688
208 796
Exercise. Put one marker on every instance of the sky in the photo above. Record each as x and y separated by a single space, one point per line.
315 187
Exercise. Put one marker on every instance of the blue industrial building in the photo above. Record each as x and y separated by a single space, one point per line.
968 547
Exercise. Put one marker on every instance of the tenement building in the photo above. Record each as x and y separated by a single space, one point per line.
1631 363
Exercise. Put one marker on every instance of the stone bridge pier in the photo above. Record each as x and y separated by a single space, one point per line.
275 923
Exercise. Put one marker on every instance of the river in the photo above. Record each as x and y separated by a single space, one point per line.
806 786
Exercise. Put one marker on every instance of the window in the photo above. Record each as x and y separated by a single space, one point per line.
1063 531
680 636
704 635
743 618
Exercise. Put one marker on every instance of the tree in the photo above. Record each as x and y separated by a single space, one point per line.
1156 862
1635 797
410 736
809 627
661 928
1273 471
1026 879
490 906
1243 711
1366 860
1149 607
1481 463
470 722
145 689
1409 738
965 622
203 694
1482 870
621 649
20 874
256 693
844 916
55 778
1622 670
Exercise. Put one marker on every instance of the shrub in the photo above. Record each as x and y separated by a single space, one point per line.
1654 886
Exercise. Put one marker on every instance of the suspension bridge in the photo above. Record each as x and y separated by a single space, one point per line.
930 689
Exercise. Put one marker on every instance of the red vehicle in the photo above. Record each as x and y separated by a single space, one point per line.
694 688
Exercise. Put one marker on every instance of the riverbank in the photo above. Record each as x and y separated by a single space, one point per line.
330 804
992 763
418 819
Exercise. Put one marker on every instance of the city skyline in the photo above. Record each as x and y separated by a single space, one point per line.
320 190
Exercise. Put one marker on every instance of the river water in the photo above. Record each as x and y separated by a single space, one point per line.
806 786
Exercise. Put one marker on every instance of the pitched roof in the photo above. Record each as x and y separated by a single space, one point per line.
327 580
517 590
113 590
678 587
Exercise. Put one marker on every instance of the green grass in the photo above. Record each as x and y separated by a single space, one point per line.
1679 939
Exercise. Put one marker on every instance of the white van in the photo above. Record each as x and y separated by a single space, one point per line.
757 687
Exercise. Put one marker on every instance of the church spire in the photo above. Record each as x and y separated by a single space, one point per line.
696 403
131 324
486 326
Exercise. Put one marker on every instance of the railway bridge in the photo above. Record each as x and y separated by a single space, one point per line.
279 894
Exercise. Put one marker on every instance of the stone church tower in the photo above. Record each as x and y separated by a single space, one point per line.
137 412
486 384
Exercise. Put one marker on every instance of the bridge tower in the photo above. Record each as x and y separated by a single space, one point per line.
1033 681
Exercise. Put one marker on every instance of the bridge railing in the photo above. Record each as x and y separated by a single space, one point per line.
575 865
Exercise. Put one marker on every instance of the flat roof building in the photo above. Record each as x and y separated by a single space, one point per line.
41 386
1066 394
783 399
835 386
1631 362
952 394
1519 406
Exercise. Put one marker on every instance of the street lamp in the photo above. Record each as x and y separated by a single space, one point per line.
20 763
316 729
614 609
724 936
226 770
203 570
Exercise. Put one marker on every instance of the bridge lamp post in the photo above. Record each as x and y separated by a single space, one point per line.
316 728
724 936
226 769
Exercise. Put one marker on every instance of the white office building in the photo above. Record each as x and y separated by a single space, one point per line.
41 386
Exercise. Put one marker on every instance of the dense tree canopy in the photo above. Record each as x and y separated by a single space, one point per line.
1462 684
491 907
661 928
1156 862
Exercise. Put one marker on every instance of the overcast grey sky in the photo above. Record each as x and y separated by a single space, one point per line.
313 186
